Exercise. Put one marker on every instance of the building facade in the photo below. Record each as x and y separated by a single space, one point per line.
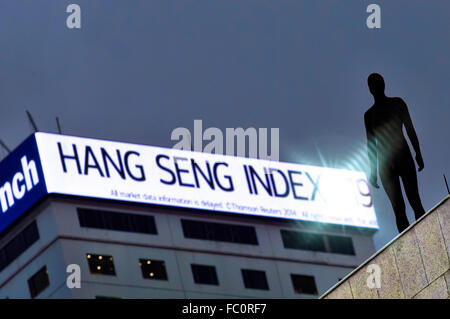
131 249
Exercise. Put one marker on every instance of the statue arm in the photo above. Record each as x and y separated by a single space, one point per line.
411 133
371 151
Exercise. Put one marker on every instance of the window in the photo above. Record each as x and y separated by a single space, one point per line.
304 284
38 282
255 279
219 232
18 245
101 264
204 274
341 245
153 269
303 240
317 242
93 218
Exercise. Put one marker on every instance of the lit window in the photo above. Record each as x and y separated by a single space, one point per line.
101 264
153 269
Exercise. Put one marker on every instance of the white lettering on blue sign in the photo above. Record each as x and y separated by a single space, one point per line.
22 182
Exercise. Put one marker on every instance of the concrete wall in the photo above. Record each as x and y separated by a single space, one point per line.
413 265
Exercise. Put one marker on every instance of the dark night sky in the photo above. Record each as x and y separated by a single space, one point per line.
138 69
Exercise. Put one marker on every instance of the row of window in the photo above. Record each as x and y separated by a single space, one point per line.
156 270
202 274
214 231
146 224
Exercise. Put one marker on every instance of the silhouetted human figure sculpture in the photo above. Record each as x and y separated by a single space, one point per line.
386 145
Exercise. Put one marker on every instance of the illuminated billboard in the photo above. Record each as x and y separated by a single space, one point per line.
211 182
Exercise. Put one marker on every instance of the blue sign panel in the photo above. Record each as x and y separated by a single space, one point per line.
22 182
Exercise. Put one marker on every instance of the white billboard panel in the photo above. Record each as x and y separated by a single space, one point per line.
154 175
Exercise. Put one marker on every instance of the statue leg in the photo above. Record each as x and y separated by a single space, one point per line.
409 179
391 184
